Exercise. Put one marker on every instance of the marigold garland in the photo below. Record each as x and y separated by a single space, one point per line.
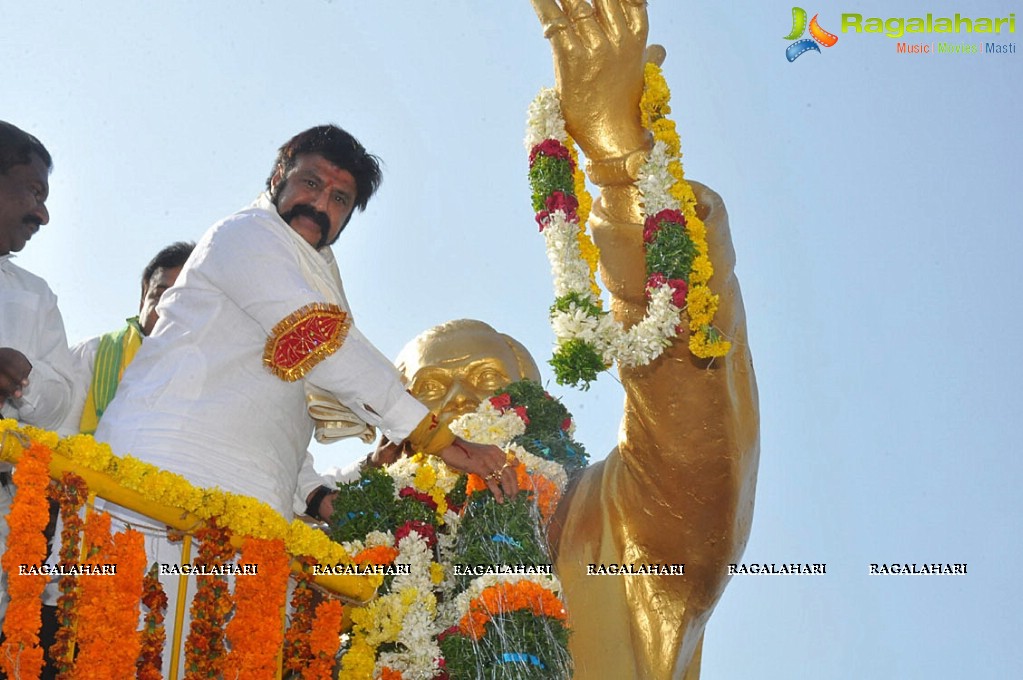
324 640
204 646
506 597
245 516
297 654
109 646
588 338
20 655
254 634
154 634
71 493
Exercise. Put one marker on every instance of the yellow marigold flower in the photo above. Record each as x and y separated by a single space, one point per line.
675 170
437 494
654 103
701 271
683 193
425 478
697 231
664 131
86 451
359 660
436 573
701 304
44 437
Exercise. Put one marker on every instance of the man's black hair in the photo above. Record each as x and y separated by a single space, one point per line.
170 257
17 147
341 149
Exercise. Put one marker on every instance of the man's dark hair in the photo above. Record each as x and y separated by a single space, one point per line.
17 147
341 149
170 257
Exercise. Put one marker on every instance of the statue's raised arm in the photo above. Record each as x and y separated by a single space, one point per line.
679 486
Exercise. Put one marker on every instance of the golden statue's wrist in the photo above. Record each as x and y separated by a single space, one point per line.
619 170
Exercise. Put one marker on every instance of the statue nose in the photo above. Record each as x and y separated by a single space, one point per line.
461 398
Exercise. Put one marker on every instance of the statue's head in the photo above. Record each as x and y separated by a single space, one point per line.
454 366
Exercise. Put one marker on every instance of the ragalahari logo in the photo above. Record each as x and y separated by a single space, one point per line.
818 35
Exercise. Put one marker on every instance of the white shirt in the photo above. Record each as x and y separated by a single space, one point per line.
31 323
197 399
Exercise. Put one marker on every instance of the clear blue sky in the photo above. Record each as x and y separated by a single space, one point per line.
875 224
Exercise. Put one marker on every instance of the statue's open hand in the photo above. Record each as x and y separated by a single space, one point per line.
489 462
598 63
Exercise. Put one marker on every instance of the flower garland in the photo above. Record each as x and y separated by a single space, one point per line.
154 635
678 266
20 655
254 634
324 640
245 516
109 646
437 519
71 495
204 646
297 654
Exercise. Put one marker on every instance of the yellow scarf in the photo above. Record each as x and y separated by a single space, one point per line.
115 352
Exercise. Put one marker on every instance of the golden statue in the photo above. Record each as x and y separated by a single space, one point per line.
679 486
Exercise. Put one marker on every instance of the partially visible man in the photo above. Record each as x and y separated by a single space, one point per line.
36 371
102 359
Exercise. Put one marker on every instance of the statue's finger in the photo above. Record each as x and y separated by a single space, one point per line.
635 17
655 54
556 26
612 16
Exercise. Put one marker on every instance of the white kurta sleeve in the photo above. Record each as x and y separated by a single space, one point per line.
252 261
47 399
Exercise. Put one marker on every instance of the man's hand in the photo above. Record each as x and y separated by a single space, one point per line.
386 452
598 64
496 467
14 370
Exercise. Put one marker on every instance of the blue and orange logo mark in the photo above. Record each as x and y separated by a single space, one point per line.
818 35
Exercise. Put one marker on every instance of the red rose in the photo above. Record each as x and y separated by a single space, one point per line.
424 498
656 280
501 401
520 411
669 215
566 424
679 289
426 531
551 148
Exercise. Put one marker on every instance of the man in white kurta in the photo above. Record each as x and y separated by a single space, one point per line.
199 400
36 376
258 318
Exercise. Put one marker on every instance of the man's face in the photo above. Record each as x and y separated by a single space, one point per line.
452 373
315 198
23 192
158 283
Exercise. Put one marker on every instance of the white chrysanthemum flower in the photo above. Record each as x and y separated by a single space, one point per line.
569 270
655 181
488 425
575 322
544 119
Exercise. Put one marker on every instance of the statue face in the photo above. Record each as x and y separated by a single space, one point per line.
451 372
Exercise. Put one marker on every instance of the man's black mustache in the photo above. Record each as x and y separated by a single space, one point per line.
306 210
35 221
